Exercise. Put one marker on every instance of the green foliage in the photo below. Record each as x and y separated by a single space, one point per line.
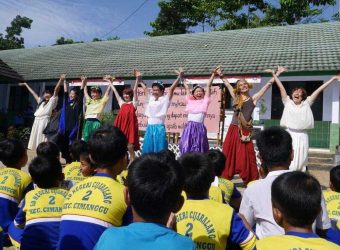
108 117
13 39
179 16
62 40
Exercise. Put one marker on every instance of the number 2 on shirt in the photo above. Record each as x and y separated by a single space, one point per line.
87 195
4 180
189 227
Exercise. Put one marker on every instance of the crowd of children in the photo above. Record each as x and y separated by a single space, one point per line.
159 202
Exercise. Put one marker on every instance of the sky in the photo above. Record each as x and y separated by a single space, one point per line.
82 20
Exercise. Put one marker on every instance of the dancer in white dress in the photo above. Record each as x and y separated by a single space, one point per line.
46 104
297 117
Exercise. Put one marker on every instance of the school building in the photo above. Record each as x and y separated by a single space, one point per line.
311 52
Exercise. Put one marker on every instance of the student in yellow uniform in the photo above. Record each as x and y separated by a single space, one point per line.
231 195
72 171
332 197
97 202
208 223
40 211
296 199
14 183
95 104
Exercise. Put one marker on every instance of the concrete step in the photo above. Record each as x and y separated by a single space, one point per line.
320 166
325 160
320 154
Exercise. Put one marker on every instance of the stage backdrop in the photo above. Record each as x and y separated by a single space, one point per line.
177 117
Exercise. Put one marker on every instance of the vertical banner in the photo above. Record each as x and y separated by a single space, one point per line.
176 117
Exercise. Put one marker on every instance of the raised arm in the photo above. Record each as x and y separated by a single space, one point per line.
180 73
279 84
84 86
317 92
226 83
186 87
257 96
145 89
57 87
213 74
138 76
35 96
110 79
65 87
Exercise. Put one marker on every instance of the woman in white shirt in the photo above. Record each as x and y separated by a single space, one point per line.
297 117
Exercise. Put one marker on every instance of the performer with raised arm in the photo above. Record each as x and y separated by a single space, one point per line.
157 105
95 105
297 117
126 119
238 146
70 116
194 136
42 115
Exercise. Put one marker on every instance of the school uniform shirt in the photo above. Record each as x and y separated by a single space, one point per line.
14 184
256 206
90 207
40 214
215 194
227 187
72 172
333 207
143 236
211 224
295 240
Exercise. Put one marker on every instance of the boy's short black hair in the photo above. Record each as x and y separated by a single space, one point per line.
45 171
168 154
335 178
275 147
76 149
198 174
298 196
155 186
217 160
48 149
107 145
11 151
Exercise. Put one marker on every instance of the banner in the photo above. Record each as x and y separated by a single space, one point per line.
176 117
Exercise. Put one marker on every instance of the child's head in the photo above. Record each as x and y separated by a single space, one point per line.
154 187
335 179
96 92
296 199
157 89
46 172
198 175
167 154
198 92
86 167
107 148
13 153
298 95
48 149
217 160
275 147
77 147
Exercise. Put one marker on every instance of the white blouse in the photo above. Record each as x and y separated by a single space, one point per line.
299 117
156 109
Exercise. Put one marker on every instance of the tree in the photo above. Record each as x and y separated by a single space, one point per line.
13 39
62 40
179 16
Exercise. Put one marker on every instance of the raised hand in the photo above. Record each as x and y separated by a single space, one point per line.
180 72
22 84
336 77
83 78
62 77
108 78
281 69
137 73
270 71
218 71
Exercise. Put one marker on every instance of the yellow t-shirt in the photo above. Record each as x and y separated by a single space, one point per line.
96 107
227 188
98 197
121 178
209 224
333 206
13 183
44 203
215 194
291 242
72 172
